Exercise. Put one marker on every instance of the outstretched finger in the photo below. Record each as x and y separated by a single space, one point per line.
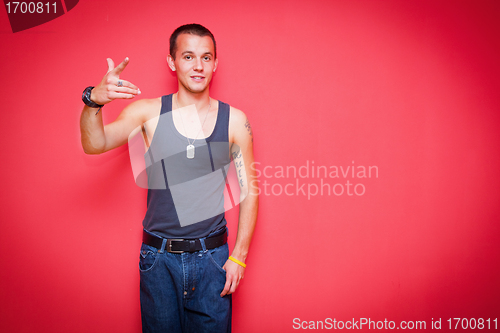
111 64
119 69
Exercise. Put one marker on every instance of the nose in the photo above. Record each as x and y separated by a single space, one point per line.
198 65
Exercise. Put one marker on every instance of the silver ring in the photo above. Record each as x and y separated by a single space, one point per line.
120 83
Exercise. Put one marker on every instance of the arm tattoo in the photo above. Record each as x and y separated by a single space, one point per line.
238 163
249 129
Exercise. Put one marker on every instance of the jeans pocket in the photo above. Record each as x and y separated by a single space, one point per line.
218 257
148 258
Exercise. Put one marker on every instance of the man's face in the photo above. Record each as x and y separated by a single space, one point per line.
194 62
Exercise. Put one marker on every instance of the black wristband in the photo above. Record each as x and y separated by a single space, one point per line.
86 98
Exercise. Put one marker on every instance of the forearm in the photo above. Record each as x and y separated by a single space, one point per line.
92 131
246 226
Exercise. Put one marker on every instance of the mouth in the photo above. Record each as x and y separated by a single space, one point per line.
197 77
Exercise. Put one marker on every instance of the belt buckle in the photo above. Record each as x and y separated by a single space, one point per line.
169 245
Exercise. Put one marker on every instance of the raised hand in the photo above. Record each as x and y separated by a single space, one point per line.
111 87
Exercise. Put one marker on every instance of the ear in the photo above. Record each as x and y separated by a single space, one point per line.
216 62
171 63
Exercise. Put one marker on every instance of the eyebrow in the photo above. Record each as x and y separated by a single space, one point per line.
191 52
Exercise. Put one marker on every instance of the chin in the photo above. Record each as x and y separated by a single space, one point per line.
197 90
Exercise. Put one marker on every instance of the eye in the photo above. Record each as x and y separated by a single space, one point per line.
206 58
188 57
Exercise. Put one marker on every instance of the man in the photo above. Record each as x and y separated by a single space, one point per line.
187 277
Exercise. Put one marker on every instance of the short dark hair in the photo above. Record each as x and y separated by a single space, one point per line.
192 29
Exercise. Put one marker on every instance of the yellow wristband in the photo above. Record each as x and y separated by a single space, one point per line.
237 261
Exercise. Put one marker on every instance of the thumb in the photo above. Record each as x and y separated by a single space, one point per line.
111 64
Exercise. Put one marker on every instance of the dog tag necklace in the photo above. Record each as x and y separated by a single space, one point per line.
190 146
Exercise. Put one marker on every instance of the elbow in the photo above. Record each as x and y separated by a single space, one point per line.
92 147
89 150
250 198
250 193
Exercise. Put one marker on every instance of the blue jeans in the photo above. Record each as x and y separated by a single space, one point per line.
181 292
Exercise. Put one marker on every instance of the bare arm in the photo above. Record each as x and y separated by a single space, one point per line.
243 158
97 138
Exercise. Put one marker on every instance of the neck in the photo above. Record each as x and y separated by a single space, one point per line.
200 100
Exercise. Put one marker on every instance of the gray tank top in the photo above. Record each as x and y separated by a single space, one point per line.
186 196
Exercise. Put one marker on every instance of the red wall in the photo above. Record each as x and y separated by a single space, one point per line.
408 87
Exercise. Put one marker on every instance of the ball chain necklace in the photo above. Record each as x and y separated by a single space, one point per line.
190 146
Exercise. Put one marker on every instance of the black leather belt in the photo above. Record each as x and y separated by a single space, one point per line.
177 245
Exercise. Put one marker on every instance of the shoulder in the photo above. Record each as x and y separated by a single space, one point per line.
144 109
145 104
236 116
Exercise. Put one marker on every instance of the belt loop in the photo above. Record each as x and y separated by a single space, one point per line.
202 241
163 245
